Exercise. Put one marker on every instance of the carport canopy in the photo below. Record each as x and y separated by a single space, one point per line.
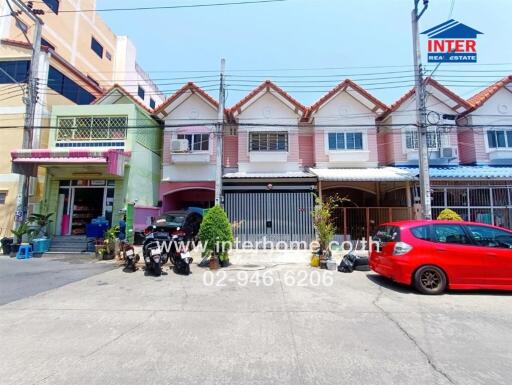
376 174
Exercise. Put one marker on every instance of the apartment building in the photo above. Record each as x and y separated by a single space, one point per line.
81 58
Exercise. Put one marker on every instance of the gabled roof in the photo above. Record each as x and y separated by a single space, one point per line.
452 29
268 86
481 97
460 103
116 88
378 108
192 88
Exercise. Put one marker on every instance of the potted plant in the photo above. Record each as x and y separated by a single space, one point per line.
42 221
216 237
449 215
109 243
324 226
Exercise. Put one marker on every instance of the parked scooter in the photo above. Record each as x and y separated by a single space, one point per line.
179 255
129 257
154 251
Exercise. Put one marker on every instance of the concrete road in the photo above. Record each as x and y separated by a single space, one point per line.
20 279
241 327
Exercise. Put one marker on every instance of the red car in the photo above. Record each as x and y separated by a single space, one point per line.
436 255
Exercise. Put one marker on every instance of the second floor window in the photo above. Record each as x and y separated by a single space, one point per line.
268 141
3 196
196 142
152 103
499 138
433 140
92 128
345 141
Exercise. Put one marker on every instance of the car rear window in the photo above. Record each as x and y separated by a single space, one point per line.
387 233
421 232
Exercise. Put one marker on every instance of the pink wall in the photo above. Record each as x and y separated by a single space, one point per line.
231 151
306 150
174 194
243 153
320 155
293 147
141 216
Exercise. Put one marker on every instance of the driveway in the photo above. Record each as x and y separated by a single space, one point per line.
239 327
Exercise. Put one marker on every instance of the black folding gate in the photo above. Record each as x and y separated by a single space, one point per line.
276 216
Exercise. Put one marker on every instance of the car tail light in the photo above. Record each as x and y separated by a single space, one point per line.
401 248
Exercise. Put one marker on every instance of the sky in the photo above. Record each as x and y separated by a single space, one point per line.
308 46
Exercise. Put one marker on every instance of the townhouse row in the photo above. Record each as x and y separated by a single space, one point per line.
276 152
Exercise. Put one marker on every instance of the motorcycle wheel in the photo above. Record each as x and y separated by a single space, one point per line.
158 270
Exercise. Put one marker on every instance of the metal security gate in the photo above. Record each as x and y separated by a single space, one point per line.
274 216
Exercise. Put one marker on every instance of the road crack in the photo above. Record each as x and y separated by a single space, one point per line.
411 338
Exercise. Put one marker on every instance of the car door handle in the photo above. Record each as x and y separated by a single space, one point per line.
441 249
492 255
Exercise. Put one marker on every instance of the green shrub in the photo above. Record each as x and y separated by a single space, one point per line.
215 233
449 215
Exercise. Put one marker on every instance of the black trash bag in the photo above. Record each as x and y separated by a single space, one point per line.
361 264
347 263
182 267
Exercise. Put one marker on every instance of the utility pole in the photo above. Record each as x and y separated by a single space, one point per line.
421 117
30 102
220 136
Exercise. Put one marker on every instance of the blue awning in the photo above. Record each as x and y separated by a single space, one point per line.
465 172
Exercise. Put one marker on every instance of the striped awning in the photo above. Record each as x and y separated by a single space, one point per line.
376 174
26 162
465 172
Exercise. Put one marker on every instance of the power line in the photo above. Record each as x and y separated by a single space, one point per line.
207 5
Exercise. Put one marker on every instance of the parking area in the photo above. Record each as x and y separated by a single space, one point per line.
285 324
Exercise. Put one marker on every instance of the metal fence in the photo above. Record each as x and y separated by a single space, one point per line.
275 216
491 205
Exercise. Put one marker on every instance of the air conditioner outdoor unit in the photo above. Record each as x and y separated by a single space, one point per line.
448 152
179 145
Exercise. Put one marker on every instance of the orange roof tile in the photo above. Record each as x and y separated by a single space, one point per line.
432 82
126 93
268 84
340 87
192 87
481 97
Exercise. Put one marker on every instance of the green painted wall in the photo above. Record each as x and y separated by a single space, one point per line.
142 177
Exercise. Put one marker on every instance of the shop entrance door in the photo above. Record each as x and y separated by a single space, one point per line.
88 203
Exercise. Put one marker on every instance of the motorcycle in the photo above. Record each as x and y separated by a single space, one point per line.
154 251
179 255
129 257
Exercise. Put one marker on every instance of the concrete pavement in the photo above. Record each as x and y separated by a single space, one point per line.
23 278
128 328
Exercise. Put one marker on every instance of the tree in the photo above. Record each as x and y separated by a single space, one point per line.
449 215
216 234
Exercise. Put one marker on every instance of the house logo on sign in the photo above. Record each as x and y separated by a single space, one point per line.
451 42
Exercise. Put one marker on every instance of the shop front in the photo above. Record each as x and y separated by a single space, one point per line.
80 201
81 186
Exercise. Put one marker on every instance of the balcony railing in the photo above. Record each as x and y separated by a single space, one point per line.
92 128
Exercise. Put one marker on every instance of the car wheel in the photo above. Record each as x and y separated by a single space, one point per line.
430 280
